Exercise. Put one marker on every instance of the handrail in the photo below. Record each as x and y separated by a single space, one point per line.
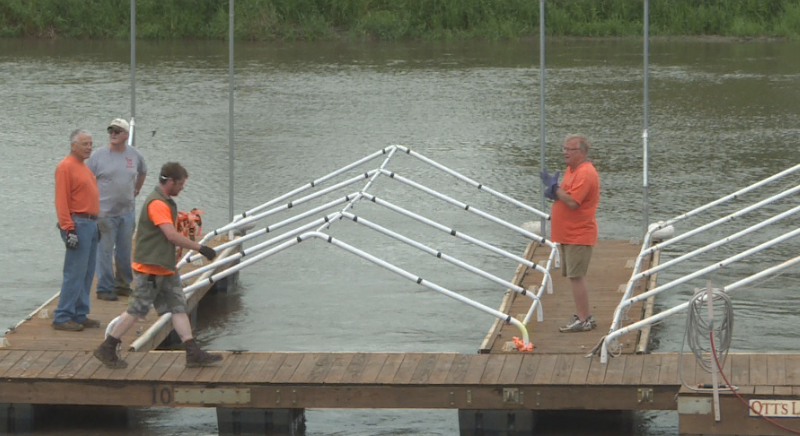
610 342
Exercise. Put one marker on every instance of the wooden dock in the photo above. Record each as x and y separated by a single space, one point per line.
42 366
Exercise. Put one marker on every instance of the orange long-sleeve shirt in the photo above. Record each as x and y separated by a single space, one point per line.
76 191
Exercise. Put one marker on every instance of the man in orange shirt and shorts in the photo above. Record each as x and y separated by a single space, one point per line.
574 226
157 280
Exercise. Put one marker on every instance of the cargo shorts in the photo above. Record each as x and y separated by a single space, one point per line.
163 292
575 260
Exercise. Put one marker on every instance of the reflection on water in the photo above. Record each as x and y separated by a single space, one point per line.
722 115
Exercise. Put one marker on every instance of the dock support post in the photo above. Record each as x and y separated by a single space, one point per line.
245 421
16 418
474 422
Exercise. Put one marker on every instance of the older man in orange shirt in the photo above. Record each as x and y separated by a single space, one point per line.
77 205
574 226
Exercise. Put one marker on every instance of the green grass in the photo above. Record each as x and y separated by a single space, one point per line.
389 20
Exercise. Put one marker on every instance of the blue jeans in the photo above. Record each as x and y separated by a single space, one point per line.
115 243
79 264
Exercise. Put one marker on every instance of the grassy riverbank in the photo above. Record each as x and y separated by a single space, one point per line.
396 19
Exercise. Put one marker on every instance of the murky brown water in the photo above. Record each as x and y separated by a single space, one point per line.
722 115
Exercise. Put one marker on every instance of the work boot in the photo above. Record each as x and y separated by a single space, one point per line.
196 357
107 296
122 291
107 353
69 325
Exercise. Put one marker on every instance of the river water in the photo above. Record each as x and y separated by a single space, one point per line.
722 115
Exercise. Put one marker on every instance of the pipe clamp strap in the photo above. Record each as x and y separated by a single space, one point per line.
508 319
480 186
419 280
452 232
312 183
330 238
467 207
439 254
299 239
289 205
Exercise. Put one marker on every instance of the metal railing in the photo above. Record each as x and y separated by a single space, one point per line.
324 215
610 342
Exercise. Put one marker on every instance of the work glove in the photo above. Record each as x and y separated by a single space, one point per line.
208 252
550 183
71 240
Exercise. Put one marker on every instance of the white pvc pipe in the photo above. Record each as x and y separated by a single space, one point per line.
319 235
480 186
612 336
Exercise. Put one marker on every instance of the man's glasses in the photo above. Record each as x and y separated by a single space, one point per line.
114 130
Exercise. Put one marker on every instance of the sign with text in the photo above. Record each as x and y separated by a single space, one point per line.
775 408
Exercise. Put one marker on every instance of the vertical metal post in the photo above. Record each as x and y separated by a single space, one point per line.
133 65
645 185
230 111
542 145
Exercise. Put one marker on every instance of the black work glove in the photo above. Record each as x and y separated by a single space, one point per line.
208 252
72 240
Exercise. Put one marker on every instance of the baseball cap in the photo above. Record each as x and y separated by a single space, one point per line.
122 124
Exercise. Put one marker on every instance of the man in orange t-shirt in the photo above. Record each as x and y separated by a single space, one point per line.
573 223
77 205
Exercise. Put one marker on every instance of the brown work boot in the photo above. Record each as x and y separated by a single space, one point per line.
122 291
107 353
89 323
196 357
70 326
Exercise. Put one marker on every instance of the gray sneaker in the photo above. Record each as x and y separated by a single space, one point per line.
576 325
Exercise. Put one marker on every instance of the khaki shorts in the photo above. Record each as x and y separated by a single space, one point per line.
575 260
163 292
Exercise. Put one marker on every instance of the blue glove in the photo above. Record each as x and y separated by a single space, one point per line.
550 183
71 241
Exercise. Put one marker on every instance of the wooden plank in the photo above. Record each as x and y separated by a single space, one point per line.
75 365
88 368
356 367
740 369
475 369
424 369
758 370
544 373
47 358
651 369
175 370
338 368
58 364
792 363
563 369
209 373
783 390
306 365
776 370
764 390
315 374
687 367
161 366
669 370
373 367
597 371
580 370
132 359
390 368
615 370
287 369
235 372
407 368
255 366
510 369
4 353
10 360
271 368
634 365
442 369
458 369
493 368
527 371
145 363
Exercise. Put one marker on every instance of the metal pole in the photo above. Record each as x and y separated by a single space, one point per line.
230 111
645 185
133 64
543 221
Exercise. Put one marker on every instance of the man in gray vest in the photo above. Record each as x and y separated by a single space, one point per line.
157 282
120 171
